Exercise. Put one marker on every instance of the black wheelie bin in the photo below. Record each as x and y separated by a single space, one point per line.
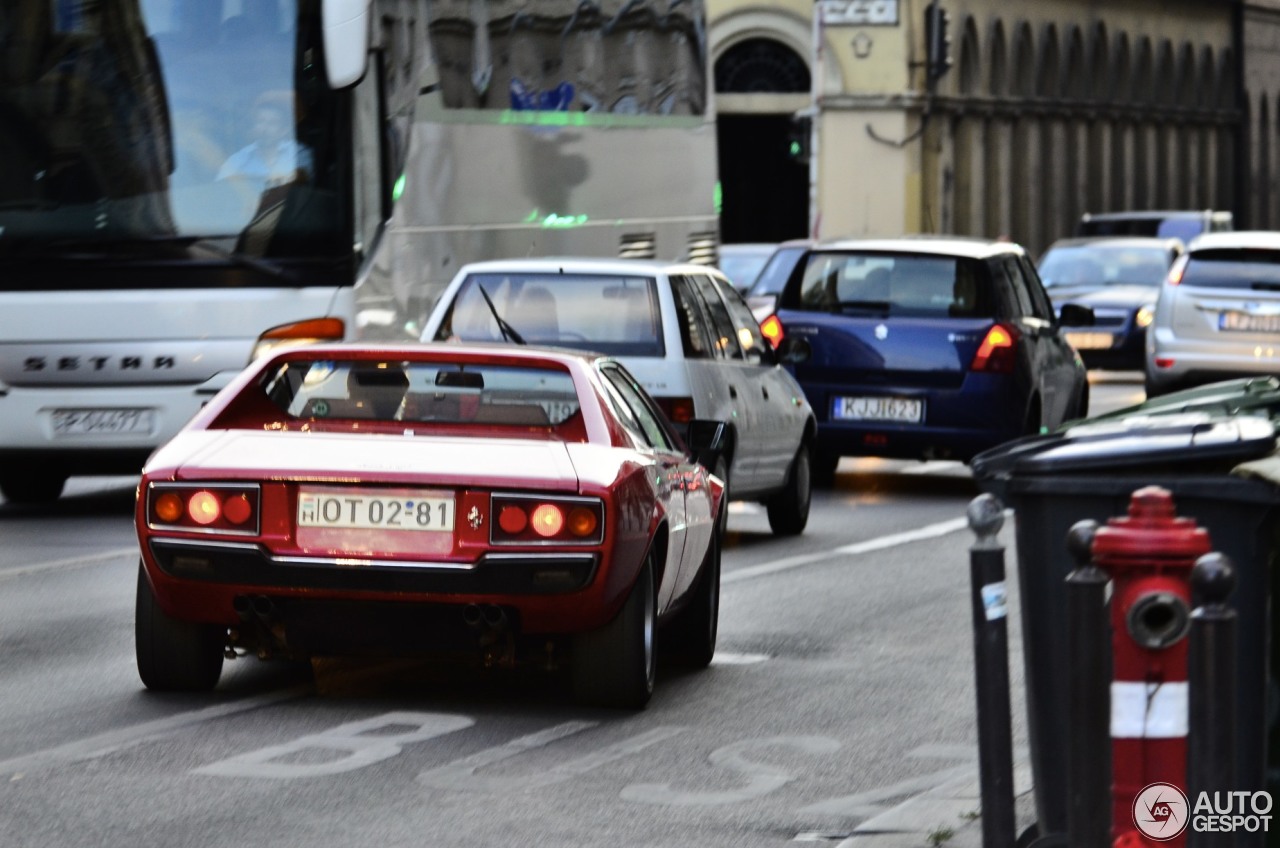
1199 448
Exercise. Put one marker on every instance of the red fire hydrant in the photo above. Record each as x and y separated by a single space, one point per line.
1149 555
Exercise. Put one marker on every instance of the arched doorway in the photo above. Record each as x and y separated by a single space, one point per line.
764 175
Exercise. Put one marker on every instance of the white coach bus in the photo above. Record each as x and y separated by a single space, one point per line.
185 184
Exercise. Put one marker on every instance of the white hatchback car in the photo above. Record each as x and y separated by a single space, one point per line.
1218 316
682 330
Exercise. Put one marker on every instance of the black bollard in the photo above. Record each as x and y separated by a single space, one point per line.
1211 683
991 666
1088 695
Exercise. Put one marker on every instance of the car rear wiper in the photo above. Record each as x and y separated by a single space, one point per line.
508 332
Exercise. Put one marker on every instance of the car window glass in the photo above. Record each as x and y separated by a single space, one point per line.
424 392
895 284
693 331
639 414
1233 268
1104 265
723 329
749 339
616 314
1008 271
777 271
1041 306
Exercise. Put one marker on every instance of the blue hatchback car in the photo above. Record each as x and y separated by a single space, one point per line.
932 347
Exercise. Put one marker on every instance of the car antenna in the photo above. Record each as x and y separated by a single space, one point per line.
508 332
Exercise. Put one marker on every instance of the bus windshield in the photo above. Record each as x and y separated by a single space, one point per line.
187 130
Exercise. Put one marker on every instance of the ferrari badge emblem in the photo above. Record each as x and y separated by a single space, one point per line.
474 518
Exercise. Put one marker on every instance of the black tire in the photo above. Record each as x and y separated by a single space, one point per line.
616 665
173 655
31 487
690 640
789 508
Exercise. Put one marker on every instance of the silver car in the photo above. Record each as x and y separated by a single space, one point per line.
1218 314
682 330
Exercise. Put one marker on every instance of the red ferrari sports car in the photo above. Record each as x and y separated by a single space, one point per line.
513 503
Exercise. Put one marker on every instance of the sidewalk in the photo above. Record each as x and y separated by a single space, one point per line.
947 816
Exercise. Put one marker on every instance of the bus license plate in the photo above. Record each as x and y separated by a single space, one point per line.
93 422
356 509
909 410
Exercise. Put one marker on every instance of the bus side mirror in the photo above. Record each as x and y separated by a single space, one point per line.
345 24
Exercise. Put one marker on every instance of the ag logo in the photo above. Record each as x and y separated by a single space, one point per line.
1160 811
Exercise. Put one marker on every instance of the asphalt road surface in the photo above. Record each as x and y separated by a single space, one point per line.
842 691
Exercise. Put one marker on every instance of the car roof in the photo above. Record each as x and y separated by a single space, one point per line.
585 265
959 246
1236 238
1165 242
1148 213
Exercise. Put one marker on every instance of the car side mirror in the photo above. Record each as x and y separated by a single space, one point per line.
794 351
707 441
1075 315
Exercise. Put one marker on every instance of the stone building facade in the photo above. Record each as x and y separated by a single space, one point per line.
1050 108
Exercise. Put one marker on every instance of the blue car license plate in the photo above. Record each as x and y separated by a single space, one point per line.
903 410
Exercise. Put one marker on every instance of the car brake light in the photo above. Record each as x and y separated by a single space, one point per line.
996 354
771 329
679 410
311 331
1175 273
528 519
216 507
1164 362
547 520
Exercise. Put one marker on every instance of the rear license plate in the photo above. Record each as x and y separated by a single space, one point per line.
374 522
407 509
93 422
1245 322
1090 341
909 410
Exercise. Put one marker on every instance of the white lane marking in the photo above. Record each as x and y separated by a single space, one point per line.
360 744
730 658
929 531
461 774
762 778
113 740
71 562
941 466
745 508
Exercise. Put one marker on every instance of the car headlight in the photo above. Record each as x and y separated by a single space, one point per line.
1145 316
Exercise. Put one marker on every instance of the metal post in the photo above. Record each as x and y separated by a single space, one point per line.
991 666
1211 681
1089 695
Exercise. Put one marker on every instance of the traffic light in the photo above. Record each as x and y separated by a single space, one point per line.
937 35
799 136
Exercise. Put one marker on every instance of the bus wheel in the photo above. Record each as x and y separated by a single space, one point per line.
173 655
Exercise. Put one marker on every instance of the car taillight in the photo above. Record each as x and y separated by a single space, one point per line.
208 508
679 410
528 519
311 331
1179 268
998 352
771 329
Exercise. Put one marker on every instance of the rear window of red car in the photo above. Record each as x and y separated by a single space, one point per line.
414 392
